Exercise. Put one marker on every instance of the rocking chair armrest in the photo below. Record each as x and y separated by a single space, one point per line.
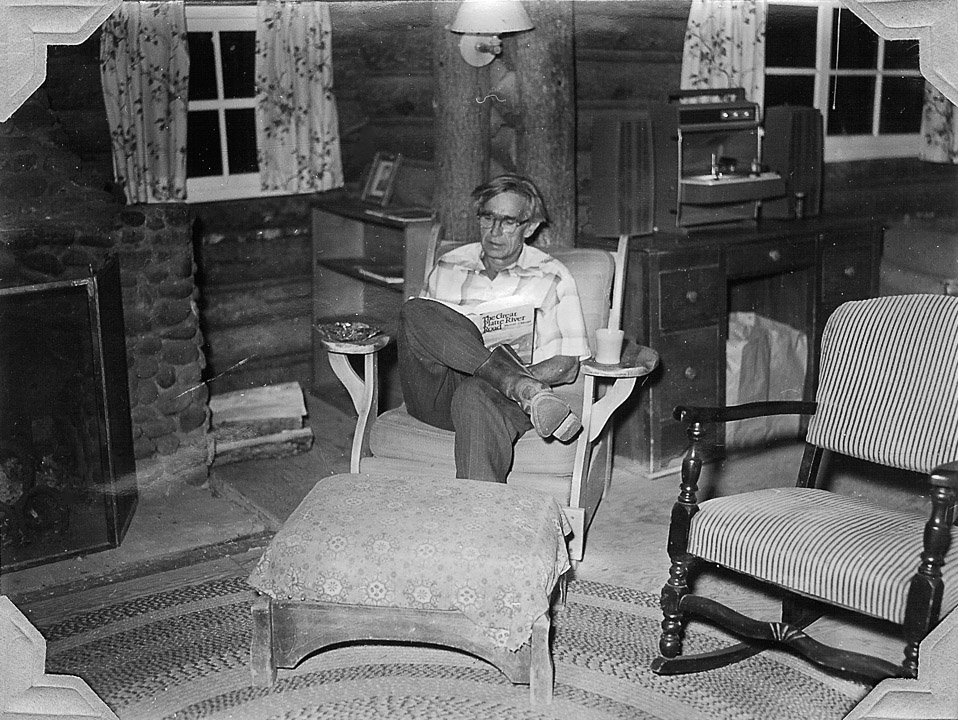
690 414
636 361
946 475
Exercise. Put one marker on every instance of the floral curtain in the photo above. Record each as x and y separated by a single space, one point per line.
297 126
145 69
939 128
725 46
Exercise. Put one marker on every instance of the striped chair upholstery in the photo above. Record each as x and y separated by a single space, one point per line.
806 540
888 388
888 393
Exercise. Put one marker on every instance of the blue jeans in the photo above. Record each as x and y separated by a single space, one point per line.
439 350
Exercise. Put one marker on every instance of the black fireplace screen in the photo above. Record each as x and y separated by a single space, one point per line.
67 471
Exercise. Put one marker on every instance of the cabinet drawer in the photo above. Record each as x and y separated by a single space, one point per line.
690 298
769 257
847 273
690 370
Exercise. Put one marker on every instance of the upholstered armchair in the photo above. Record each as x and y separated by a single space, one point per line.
887 394
576 473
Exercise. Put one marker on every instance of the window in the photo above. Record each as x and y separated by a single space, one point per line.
870 91
221 158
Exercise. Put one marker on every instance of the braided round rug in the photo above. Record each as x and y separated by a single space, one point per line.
184 654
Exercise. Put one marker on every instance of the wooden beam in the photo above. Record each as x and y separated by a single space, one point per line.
462 128
545 139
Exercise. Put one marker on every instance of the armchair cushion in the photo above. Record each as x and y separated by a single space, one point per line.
593 271
806 540
398 435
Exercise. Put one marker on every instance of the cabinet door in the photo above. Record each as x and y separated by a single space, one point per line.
692 373
686 293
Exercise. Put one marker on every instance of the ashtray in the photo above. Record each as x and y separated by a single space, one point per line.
346 331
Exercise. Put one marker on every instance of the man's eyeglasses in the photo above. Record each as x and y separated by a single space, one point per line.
506 222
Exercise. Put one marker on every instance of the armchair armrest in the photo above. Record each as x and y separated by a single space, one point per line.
636 361
362 347
591 480
363 391
690 414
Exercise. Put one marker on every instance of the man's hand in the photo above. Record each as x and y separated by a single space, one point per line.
557 370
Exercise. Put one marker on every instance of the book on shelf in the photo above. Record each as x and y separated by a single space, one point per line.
510 320
401 214
383 275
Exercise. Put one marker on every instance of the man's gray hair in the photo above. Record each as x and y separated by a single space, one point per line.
517 184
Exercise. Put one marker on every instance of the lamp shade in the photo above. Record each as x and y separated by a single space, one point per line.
491 17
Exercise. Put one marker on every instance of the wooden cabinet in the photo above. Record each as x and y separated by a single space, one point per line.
680 289
364 264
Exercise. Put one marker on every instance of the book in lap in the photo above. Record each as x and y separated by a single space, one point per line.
510 320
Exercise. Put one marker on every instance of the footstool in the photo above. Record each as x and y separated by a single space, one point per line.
461 564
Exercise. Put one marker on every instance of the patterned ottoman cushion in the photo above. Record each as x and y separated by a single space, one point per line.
491 551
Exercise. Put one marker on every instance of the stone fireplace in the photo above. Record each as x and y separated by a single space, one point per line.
56 224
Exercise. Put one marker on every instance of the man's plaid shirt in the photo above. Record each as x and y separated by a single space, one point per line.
459 277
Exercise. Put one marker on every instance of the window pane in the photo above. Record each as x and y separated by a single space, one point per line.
202 66
901 54
902 99
790 36
241 141
854 45
203 144
850 107
789 90
237 50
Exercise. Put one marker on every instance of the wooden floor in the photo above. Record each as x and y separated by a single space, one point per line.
56 608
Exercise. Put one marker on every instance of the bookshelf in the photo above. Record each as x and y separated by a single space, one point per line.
366 261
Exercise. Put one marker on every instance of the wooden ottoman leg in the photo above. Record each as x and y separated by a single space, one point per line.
541 670
262 663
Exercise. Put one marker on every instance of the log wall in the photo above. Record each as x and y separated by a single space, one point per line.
253 256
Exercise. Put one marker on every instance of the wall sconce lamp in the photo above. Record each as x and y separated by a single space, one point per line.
482 22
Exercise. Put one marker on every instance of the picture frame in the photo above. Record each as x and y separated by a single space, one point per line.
382 178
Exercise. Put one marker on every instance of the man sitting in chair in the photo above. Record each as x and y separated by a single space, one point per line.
450 379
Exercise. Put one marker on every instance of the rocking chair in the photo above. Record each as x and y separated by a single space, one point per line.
887 394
